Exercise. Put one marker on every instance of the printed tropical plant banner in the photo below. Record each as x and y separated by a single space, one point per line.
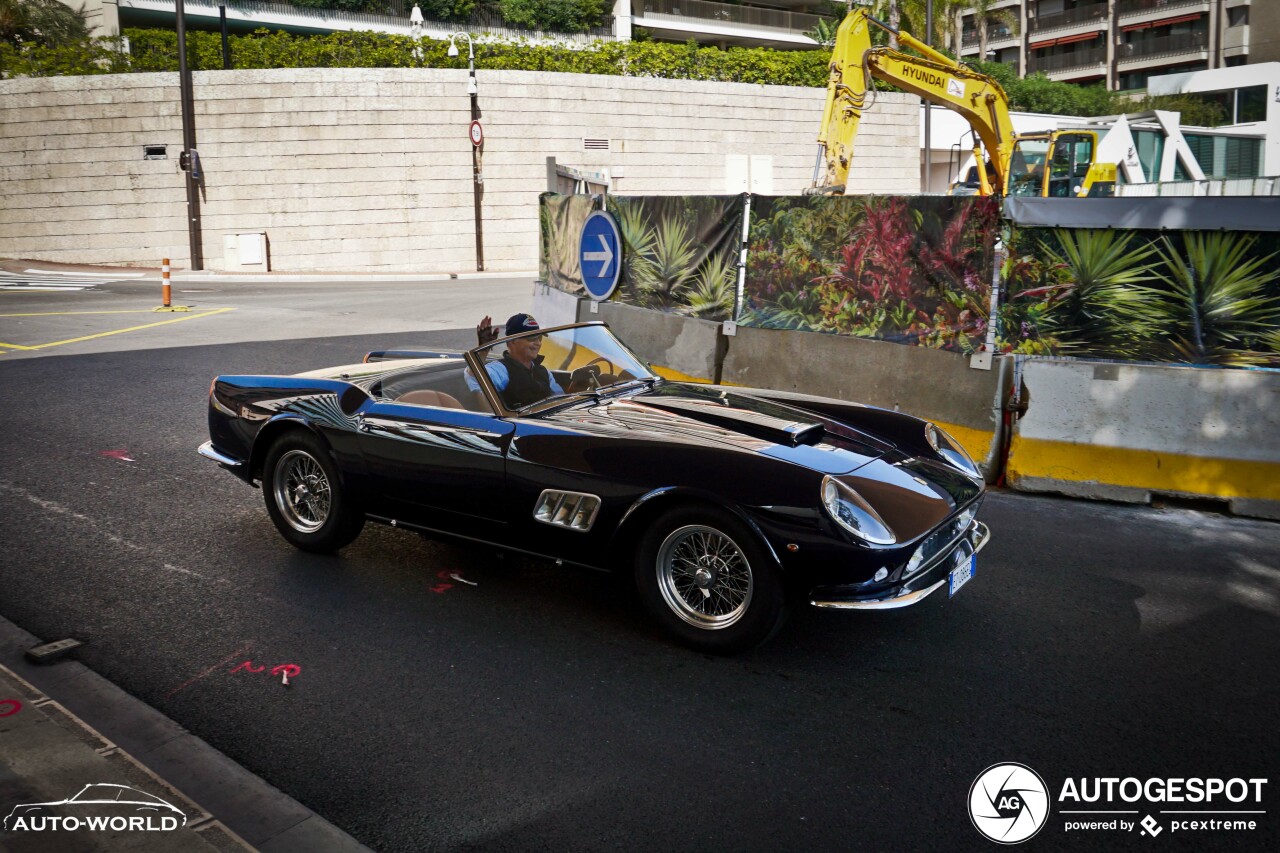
1187 297
908 269
561 218
679 254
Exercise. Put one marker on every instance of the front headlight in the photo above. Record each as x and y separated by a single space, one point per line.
847 508
951 450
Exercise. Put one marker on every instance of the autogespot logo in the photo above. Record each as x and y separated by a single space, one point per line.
1008 803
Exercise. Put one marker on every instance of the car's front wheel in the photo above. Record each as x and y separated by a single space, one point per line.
305 498
708 581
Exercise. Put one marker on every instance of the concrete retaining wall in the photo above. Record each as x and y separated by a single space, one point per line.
370 169
1124 432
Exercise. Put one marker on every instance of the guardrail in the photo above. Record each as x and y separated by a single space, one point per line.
1213 187
724 13
970 37
382 13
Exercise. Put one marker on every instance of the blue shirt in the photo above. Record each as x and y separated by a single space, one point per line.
501 378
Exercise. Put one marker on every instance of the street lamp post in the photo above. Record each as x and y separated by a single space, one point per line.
477 186
190 160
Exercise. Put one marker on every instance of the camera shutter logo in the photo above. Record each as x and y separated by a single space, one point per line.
1008 803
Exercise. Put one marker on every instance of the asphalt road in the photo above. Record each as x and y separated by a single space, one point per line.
539 709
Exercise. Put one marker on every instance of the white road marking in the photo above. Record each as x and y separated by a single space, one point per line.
89 274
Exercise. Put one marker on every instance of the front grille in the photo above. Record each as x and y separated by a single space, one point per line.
941 539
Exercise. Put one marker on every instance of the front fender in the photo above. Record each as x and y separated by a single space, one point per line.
645 509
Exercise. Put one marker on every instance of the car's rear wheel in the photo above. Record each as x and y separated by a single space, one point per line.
708 581
305 498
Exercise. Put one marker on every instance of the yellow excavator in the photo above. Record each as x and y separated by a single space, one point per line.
1053 164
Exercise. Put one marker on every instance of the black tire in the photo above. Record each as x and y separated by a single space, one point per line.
709 582
305 497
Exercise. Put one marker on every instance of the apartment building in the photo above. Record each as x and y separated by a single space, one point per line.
1123 43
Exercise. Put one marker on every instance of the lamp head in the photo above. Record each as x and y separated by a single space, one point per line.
415 17
453 48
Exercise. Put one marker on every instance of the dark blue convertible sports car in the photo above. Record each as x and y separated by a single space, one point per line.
726 503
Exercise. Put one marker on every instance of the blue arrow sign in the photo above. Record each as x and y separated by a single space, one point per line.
600 255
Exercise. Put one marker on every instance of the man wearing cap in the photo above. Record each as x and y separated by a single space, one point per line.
519 376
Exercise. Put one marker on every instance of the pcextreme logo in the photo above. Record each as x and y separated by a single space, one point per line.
1010 802
98 807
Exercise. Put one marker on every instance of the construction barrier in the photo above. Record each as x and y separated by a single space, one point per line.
1125 432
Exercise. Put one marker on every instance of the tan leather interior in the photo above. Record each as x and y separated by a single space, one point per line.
431 398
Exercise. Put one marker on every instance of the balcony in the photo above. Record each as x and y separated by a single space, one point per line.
1078 60
1129 8
998 36
1094 16
702 13
1162 47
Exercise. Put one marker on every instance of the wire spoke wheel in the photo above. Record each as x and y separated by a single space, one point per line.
704 577
302 491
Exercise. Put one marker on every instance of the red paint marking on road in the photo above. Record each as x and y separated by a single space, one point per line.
248 667
14 707
291 670
217 666
441 587
122 455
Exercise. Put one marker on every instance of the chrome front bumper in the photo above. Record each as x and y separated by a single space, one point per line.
981 536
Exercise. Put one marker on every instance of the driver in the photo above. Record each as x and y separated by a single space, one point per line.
520 376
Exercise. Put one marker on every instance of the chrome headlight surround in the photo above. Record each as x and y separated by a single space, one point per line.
951 450
848 509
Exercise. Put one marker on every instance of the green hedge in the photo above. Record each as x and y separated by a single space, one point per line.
157 50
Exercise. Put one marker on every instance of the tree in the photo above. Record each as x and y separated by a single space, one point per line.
45 22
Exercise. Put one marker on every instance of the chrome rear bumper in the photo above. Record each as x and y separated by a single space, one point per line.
208 451
981 536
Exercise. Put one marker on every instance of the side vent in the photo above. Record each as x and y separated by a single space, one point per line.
571 510
589 144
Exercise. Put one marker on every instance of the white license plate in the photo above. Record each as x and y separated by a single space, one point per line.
961 576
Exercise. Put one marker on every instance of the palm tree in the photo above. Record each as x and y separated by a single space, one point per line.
46 21
1214 308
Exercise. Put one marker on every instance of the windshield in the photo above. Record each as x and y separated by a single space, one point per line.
1026 169
527 369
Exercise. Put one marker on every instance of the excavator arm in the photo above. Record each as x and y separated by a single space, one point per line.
933 76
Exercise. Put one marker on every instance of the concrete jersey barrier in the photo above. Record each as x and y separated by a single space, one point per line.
1124 432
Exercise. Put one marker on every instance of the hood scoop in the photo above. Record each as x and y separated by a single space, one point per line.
756 424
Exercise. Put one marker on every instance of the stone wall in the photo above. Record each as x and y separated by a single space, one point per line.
370 169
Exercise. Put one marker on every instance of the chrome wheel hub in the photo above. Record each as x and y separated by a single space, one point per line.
302 491
704 577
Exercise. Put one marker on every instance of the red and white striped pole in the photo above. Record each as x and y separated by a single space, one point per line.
164 278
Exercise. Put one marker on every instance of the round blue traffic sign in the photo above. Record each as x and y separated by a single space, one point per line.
600 255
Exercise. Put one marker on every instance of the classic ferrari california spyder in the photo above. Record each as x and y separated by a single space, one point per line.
725 503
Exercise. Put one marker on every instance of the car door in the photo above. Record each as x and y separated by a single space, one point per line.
438 467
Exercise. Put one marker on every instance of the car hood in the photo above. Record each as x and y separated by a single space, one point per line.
680 412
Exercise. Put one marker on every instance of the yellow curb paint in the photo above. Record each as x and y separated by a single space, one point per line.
122 331
15 346
1143 469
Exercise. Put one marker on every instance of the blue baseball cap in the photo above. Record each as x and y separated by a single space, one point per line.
521 323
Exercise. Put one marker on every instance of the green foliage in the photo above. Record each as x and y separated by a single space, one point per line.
45 22
446 10
564 16
89 56
1213 308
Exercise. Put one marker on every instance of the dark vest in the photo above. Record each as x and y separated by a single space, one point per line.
525 385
